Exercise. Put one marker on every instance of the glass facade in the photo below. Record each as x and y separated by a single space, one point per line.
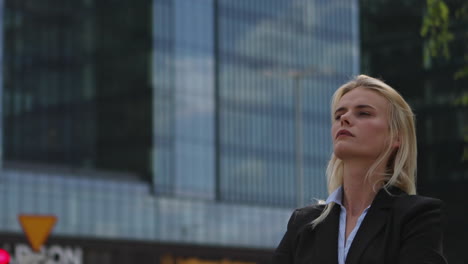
225 124
77 85
269 52
199 121
183 107
392 47
87 206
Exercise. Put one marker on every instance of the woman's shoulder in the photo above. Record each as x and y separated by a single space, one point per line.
399 199
409 206
305 215
310 210
412 201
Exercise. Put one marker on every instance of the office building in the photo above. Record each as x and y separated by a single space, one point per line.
167 131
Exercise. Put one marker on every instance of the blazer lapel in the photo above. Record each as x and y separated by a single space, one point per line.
327 231
374 221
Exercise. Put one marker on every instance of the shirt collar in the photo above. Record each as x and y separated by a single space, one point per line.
336 196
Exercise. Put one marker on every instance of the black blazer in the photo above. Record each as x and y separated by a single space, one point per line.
398 228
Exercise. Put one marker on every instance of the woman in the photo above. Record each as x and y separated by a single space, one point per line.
372 214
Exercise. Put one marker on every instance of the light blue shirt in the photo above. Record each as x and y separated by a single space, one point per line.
343 246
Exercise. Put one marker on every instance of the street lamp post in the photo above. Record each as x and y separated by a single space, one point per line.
297 77
298 139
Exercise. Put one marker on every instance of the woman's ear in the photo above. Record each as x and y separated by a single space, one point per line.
396 142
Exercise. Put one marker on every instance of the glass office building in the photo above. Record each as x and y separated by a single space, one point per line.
393 48
185 122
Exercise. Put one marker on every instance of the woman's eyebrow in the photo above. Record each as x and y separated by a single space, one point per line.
364 106
340 109
357 106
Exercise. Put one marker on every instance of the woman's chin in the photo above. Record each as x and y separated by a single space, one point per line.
342 155
343 152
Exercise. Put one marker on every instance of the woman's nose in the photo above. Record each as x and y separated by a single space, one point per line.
345 119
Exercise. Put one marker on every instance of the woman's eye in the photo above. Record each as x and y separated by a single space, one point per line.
364 113
337 117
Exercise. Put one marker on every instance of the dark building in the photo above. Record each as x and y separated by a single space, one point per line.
77 87
392 48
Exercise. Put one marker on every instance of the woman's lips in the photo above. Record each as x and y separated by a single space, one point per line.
344 132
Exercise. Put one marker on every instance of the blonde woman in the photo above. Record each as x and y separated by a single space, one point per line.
372 214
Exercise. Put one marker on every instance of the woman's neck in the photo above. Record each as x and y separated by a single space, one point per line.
359 191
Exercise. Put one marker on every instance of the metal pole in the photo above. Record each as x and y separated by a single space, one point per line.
298 122
2 21
297 77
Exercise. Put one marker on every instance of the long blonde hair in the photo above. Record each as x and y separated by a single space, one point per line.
401 166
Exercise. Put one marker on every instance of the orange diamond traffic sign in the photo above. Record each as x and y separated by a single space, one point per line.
37 228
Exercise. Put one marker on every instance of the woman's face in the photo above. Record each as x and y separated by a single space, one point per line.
360 129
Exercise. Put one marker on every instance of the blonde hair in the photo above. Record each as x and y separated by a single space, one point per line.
401 165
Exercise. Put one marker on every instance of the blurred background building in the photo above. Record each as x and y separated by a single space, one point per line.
164 131
173 131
